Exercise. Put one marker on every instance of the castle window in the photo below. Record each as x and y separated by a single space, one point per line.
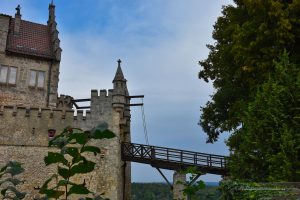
37 79
8 75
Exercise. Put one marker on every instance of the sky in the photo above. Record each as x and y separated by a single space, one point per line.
159 42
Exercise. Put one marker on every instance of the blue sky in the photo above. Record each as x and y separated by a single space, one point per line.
160 43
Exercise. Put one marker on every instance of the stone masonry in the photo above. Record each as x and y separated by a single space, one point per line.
27 111
178 185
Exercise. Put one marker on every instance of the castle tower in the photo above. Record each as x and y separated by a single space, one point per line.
29 61
112 108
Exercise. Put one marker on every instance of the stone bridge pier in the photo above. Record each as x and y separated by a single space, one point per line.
178 185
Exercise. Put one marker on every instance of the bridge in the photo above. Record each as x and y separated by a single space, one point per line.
174 159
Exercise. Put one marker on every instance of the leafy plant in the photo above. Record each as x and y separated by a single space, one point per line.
192 186
71 160
8 181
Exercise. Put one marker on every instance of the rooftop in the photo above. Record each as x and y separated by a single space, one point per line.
33 39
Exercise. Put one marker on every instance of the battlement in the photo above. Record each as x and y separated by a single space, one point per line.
80 115
64 102
22 111
103 93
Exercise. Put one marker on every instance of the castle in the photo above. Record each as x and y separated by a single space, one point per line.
30 57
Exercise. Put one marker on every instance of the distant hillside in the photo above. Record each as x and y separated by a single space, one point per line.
150 191
161 191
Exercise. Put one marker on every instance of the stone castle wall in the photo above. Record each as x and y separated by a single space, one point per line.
21 93
24 138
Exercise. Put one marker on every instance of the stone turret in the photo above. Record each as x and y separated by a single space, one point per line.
120 90
54 32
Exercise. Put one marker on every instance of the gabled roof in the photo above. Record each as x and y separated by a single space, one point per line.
33 39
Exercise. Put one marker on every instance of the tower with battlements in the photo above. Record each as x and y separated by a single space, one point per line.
30 57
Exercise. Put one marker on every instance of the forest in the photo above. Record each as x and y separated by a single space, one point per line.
161 191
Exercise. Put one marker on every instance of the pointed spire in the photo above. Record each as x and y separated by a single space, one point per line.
54 32
17 20
51 13
119 74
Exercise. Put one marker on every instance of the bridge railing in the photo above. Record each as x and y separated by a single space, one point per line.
151 153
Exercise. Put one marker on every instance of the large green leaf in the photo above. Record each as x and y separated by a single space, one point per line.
78 189
81 138
72 151
103 134
82 168
55 158
59 141
62 183
78 159
45 185
65 173
54 193
92 149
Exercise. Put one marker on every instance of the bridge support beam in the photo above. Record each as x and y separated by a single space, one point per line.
178 180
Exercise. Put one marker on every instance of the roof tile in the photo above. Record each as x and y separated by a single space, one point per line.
33 39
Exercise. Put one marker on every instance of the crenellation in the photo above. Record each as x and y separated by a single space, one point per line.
110 92
23 111
64 102
94 93
88 114
103 93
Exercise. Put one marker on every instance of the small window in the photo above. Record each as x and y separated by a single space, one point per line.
3 74
12 77
37 79
8 74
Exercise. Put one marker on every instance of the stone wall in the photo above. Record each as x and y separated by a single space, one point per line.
4 24
21 93
24 138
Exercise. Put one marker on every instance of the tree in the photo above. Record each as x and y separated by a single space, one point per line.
267 147
71 160
249 36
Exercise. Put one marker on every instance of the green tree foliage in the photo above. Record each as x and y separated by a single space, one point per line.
267 147
192 186
71 160
162 191
249 36
9 182
151 191
239 191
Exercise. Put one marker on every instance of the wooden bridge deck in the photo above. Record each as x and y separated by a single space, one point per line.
174 159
